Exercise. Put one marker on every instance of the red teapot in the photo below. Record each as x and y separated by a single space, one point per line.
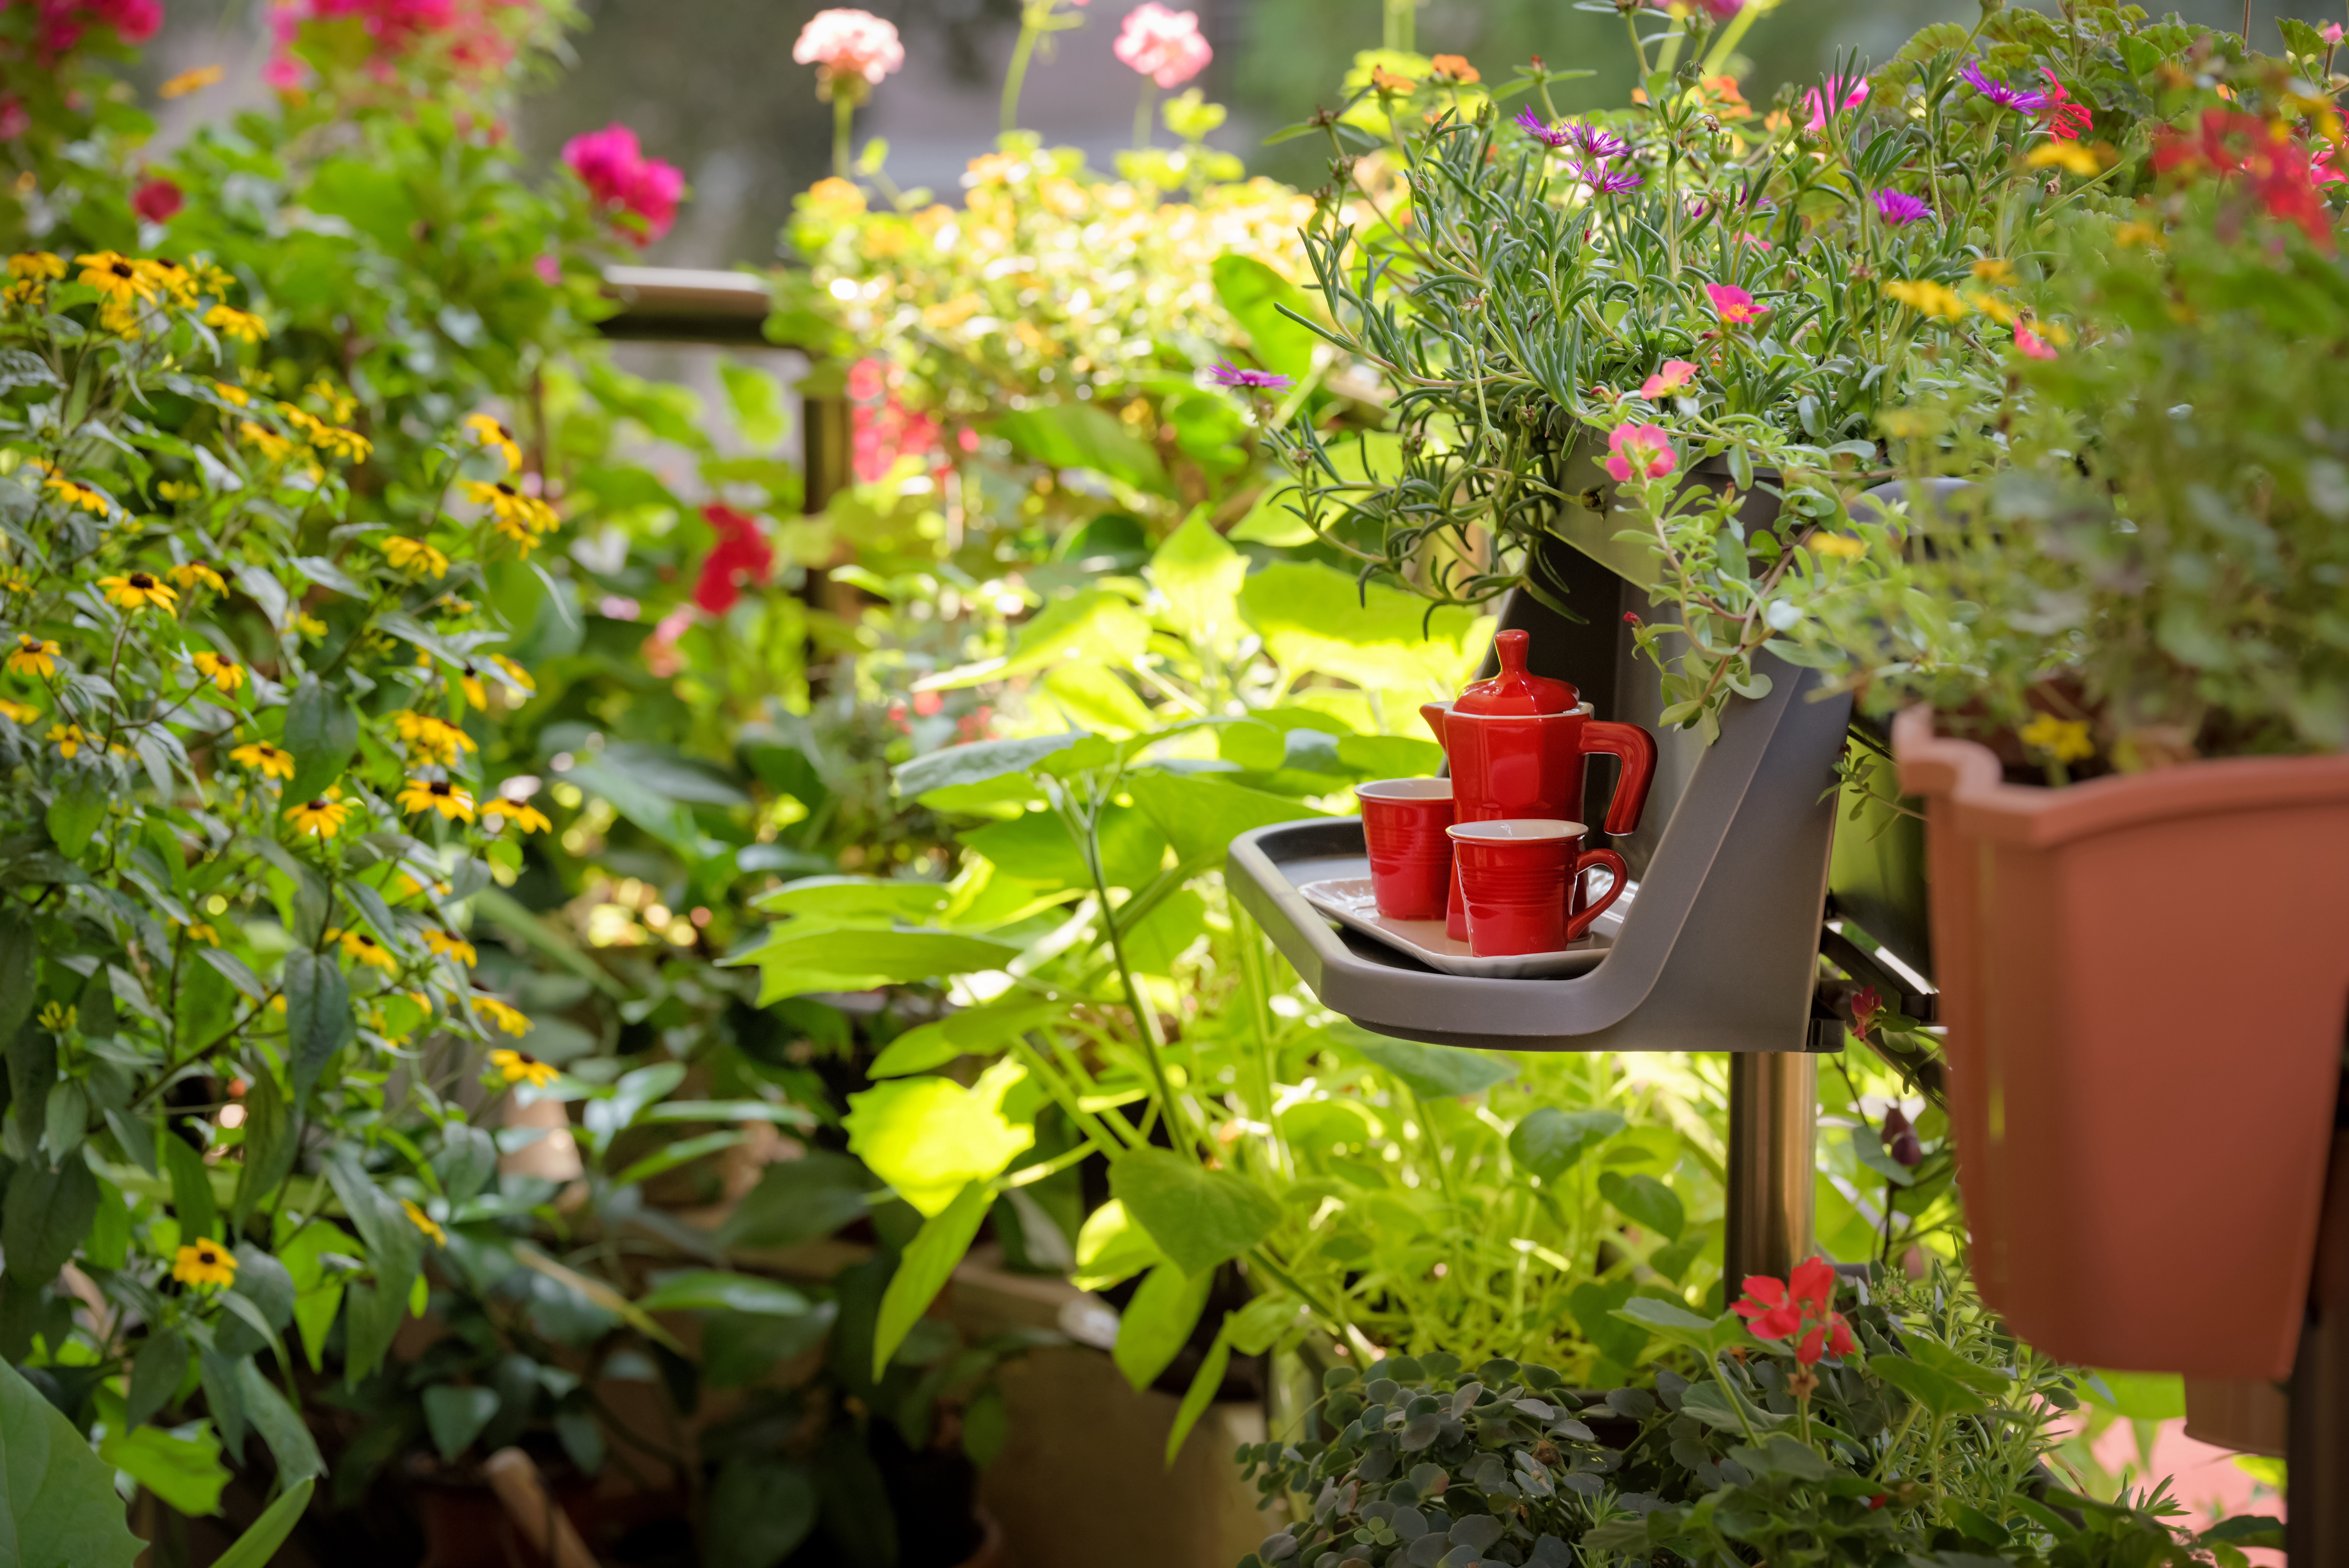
1517 744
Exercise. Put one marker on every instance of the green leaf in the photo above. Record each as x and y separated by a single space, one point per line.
760 1510
1036 847
1202 1391
318 1020
1199 574
322 730
1155 1326
2134 1396
975 1031
981 761
1389 756
1314 617
1676 1323
712 1290
1254 293
929 1137
798 1201
181 1467
1645 1201
1085 435
1549 1142
257 1546
1594 1308
794 964
1431 1072
191 1190
1938 1392
155 1375
854 898
77 809
1094 624
20 957
455 1417
1111 1247
924 1269
668 1157
757 400
1988 1381
289 1441
1781 1455
49 1213
1199 1217
1722 1407
1201 815
58 1504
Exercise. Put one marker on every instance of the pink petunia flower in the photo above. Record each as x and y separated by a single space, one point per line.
2032 343
1641 450
849 43
1164 45
1734 305
621 179
1675 374
1840 94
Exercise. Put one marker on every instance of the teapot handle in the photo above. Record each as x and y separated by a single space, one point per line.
1636 748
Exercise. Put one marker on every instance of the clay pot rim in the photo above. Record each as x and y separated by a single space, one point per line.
1965 777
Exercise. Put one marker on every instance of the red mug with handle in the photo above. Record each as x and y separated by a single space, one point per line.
1515 879
1518 744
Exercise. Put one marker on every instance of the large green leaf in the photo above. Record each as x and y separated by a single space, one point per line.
760 1510
977 763
1152 1328
928 1137
974 1031
1095 624
1549 1142
794 962
1201 815
1111 1247
1199 574
193 1201
924 1269
183 1467
1035 847
1199 1217
1254 293
714 1290
798 1201
1314 618
318 1021
1645 1201
1940 1393
854 898
257 1546
289 1439
455 1417
322 730
1075 435
49 1212
57 1505
1434 1072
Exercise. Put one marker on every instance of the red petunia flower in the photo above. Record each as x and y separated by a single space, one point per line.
741 554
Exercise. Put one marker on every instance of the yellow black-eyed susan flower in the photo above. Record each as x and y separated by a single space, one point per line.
32 656
424 1222
428 737
224 673
18 712
507 1018
518 1067
514 672
319 818
415 556
76 493
365 949
116 278
521 813
137 591
448 946
205 1262
189 574
265 441
232 393
69 739
511 506
425 796
495 438
36 266
336 441
265 759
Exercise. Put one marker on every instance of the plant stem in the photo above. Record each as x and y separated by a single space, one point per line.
1015 75
844 117
1403 24
1142 115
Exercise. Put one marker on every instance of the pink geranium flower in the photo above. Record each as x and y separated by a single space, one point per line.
157 200
1734 305
621 179
2032 343
1675 374
1641 450
848 43
1163 45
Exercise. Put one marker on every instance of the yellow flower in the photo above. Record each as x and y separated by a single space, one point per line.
189 573
1994 270
319 818
265 759
424 1222
81 495
514 672
1840 544
223 673
137 589
2064 740
190 81
469 681
427 796
69 739
301 419
56 1018
241 325
495 438
309 625
34 266
2138 234
524 815
18 712
274 446
340 405
32 656
206 1261
2070 155
335 441
415 556
1927 298
236 394
451 946
117 279
365 949
513 508
503 1017
429 736
13 581
1991 306
200 931
172 278
519 1067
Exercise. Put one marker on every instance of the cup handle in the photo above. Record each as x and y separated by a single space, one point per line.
1579 926
1636 748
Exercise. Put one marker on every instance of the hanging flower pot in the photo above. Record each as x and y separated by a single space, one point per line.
2144 979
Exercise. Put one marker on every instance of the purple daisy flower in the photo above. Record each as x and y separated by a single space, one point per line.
2022 100
1229 375
1596 142
1606 181
1899 208
1534 125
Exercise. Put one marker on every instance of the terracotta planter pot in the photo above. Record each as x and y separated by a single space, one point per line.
2145 981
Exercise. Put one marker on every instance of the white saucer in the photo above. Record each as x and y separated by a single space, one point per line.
1348 901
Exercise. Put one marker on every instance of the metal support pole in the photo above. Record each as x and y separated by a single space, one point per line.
1772 1130
827 448
2316 1524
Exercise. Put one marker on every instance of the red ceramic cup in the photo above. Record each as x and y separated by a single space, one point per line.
1515 879
1404 821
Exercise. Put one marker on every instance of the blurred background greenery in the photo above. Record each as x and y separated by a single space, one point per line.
710 85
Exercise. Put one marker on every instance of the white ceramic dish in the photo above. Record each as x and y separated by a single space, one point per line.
1348 902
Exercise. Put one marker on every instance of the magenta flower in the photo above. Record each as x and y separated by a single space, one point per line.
1734 305
1533 125
1899 208
1596 142
1645 450
2022 100
158 200
2032 343
1840 94
845 43
1675 374
624 182
1230 375
1606 181
1163 45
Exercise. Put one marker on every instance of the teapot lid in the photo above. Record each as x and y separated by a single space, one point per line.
1516 692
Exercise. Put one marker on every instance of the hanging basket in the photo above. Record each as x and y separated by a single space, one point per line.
2145 981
